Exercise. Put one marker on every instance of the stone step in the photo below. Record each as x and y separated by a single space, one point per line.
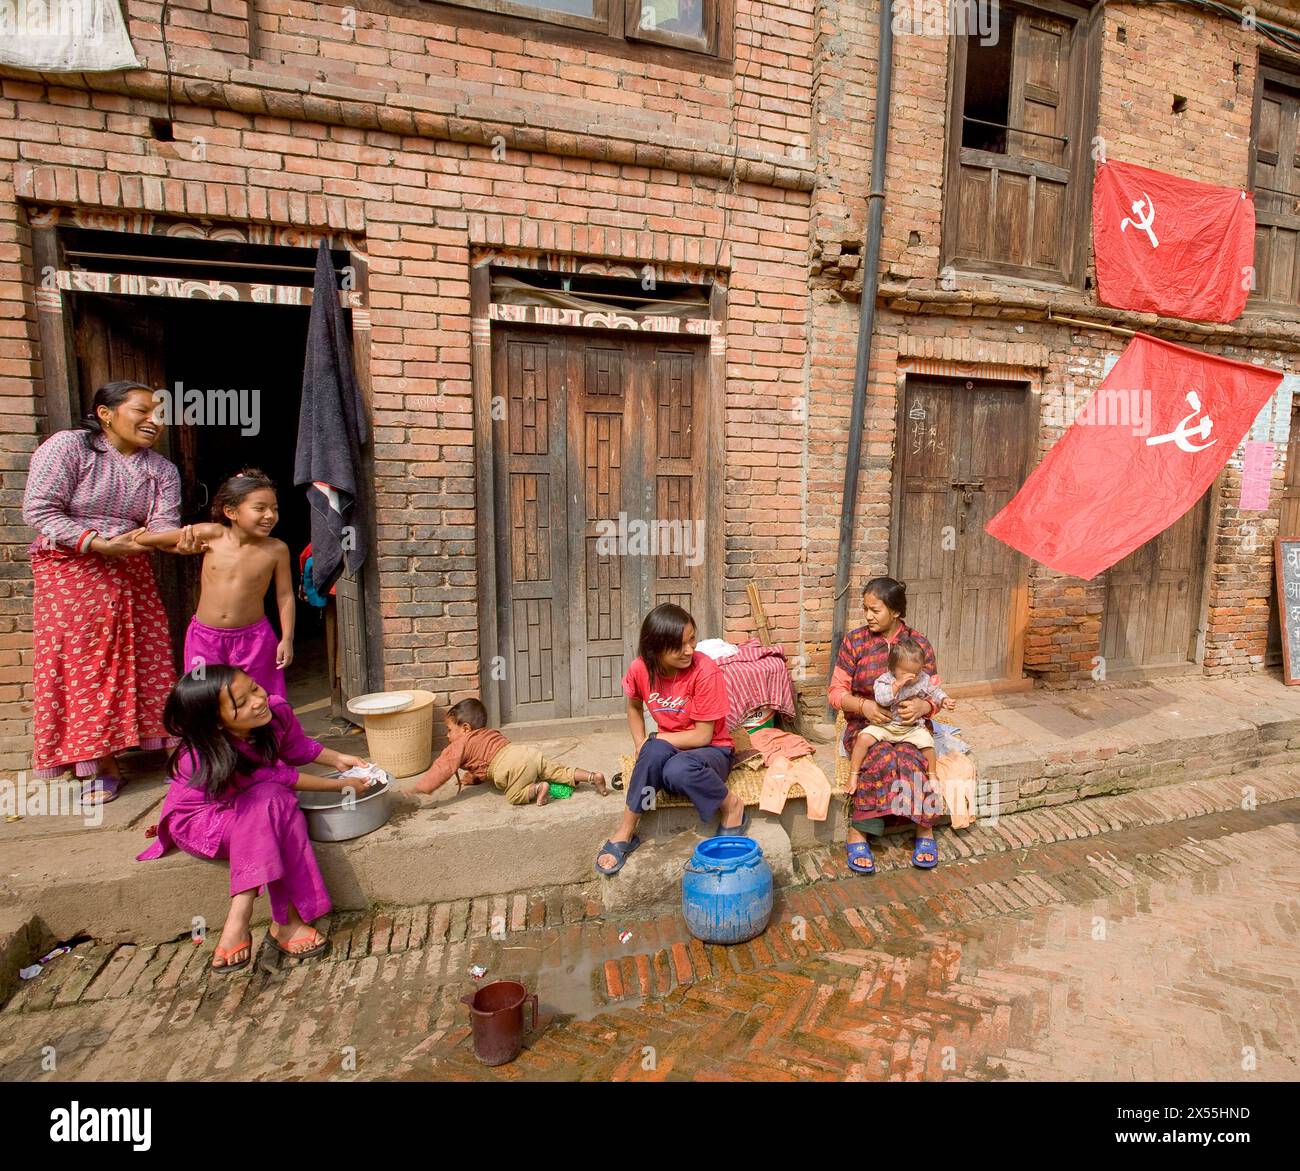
21 939
1018 779
146 904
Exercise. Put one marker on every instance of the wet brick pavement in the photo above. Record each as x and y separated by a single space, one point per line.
1142 936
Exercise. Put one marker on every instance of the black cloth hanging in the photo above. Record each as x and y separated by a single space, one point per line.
331 430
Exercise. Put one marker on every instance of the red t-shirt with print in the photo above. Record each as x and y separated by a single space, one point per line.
698 693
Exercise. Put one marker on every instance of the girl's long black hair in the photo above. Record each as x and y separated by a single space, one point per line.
111 395
193 713
661 633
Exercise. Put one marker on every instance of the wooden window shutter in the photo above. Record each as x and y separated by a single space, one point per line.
1277 198
1012 207
1039 73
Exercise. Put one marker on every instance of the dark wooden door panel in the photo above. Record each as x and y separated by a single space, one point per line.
964 455
118 339
974 224
532 549
599 476
1038 82
675 378
1153 596
604 467
349 601
931 462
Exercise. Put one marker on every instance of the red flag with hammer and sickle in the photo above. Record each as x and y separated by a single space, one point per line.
1141 452
1171 246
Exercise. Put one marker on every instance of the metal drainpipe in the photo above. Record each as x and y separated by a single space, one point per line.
866 324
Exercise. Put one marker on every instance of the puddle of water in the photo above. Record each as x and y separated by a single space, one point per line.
570 990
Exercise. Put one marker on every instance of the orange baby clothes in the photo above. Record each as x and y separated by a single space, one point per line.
956 776
782 773
772 742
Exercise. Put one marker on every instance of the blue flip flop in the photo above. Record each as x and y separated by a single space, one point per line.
856 851
620 850
736 831
928 846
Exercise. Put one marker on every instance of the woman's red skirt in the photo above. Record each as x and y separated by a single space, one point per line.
103 659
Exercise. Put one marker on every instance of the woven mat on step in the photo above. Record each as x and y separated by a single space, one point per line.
745 780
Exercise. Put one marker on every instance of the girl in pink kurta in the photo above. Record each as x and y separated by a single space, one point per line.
232 796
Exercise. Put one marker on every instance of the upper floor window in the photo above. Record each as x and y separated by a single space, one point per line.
1018 163
1275 179
683 24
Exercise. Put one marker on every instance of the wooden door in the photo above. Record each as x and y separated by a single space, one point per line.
1288 525
116 338
964 449
1276 182
599 487
1153 597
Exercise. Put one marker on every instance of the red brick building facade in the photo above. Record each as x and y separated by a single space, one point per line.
703 193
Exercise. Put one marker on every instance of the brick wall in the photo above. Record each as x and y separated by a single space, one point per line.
409 128
383 135
1166 51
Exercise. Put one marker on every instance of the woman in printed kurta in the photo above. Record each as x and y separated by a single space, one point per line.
232 797
103 661
893 778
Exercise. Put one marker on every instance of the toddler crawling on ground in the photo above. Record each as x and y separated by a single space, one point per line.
522 773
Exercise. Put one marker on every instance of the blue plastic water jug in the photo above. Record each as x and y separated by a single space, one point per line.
727 890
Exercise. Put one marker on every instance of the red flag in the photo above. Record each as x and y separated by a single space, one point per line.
1171 246
1142 451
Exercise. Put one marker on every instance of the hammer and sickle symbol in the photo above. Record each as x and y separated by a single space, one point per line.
1142 224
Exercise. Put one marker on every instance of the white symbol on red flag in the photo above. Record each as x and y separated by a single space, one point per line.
1103 491
1192 266
1141 206
1179 435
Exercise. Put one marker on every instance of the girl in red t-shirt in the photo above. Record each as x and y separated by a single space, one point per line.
691 752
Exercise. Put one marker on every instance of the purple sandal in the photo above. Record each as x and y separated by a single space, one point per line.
103 783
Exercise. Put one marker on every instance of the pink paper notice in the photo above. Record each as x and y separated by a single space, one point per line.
1256 475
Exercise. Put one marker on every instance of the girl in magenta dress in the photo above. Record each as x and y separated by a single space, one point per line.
232 796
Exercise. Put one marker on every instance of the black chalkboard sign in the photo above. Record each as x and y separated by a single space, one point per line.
1286 556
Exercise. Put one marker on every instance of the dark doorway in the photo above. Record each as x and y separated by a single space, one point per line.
258 351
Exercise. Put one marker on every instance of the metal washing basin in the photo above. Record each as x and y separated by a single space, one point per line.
339 817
